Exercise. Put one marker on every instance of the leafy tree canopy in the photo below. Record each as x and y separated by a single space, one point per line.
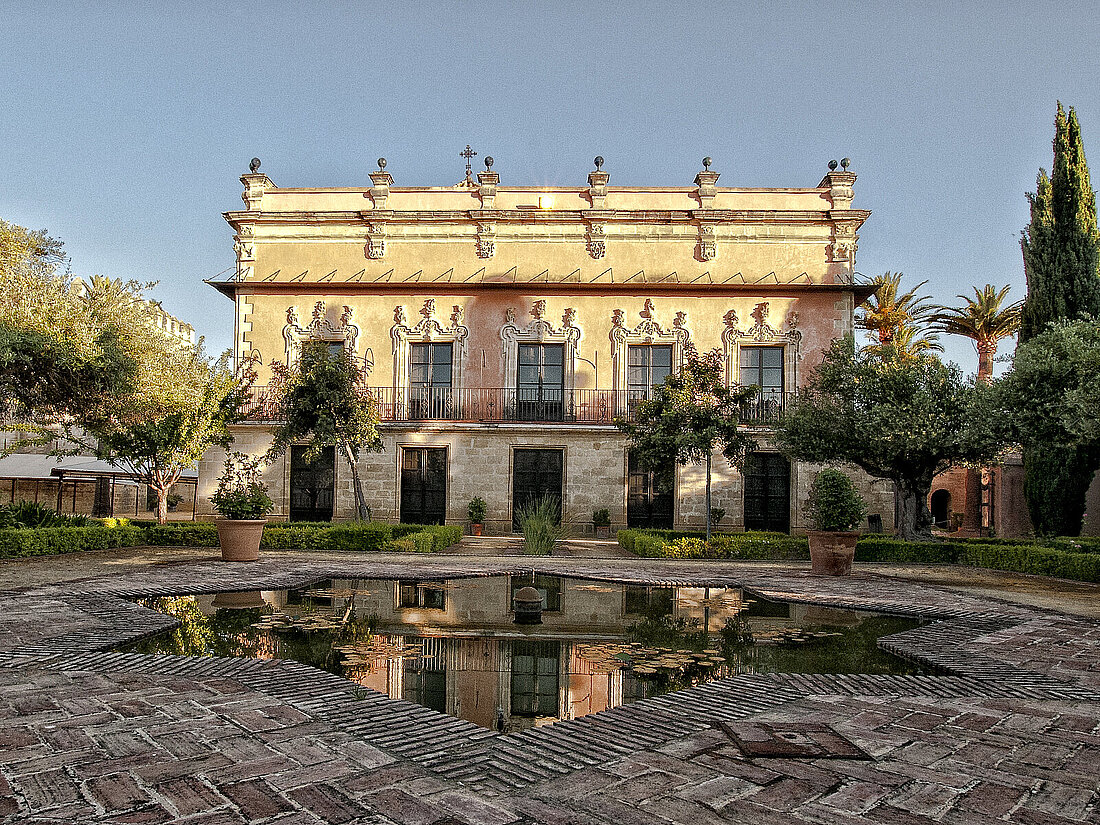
1051 403
898 418
323 400
690 416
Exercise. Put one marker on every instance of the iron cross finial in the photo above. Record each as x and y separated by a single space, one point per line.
468 154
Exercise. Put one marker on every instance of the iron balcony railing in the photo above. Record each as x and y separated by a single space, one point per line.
500 404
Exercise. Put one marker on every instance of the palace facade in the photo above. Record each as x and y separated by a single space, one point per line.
504 328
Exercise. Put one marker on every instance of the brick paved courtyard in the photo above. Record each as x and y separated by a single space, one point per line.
1009 733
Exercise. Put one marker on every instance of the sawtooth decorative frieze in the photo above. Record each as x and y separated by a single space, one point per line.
542 331
648 331
762 333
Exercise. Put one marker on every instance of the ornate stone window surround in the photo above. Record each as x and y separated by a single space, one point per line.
427 330
539 331
761 333
320 328
648 331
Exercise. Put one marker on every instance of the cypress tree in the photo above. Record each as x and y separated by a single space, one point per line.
1061 245
1061 248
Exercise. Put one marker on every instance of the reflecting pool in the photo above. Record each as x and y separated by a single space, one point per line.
454 646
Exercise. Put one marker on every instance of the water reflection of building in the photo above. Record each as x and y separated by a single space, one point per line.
452 645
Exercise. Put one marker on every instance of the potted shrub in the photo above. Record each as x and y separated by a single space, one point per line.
243 504
835 510
601 521
174 500
476 511
716 516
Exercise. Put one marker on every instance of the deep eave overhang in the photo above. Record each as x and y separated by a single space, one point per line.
230 289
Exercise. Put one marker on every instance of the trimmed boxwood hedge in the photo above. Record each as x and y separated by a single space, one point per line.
351 536
1080 562
47 541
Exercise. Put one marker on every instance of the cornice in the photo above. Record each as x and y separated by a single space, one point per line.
535 216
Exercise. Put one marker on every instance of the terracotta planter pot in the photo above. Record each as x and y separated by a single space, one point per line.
240 538
603 532
475 529
242 600
831 553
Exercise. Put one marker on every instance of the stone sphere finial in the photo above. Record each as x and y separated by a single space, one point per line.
599 163
254 165
832 166
488 162
845 163
706 163
381 164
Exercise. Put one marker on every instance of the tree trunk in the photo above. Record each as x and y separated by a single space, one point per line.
362 511
987 349
162 504
915 523
708 496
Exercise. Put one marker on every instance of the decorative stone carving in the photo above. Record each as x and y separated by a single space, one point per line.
376 241
842 246
381 182
320 329
428 329
486 240
596 241
761 332
541 331
255 184
648 331
708 247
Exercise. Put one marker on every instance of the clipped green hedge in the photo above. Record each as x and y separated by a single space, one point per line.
1078 561
350 536
48 541
182 534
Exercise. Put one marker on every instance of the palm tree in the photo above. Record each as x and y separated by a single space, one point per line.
908 341
887 310
983 320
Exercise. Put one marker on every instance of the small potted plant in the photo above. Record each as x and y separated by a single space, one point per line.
174 500
835 510
476 511
601 522
716 516
243 504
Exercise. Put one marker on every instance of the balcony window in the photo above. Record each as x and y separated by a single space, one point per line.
763 367
430 375
540 382
647 366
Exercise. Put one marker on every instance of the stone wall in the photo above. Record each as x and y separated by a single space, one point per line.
479 463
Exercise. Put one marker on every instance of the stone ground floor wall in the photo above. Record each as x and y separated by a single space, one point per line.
480 463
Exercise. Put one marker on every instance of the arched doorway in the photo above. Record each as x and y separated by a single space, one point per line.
941 508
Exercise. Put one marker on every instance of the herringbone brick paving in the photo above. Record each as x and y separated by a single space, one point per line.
1009 733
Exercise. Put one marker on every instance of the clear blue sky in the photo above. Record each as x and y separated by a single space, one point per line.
125 126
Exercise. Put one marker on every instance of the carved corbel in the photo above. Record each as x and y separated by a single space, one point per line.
708 245
596 240
842 245
486 240
376 241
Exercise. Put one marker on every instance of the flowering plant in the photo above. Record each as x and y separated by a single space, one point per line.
240 493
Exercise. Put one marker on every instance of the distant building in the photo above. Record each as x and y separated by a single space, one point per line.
505 327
